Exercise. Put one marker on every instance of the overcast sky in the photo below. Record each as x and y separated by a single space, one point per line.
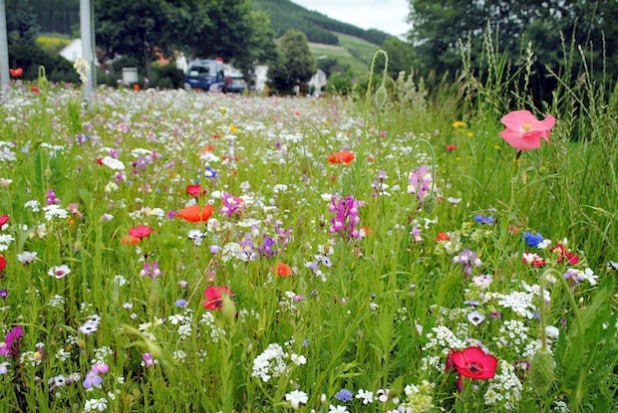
386 15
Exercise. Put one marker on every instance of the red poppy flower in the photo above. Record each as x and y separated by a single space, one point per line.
564 254
16 72
140 232
450 148
195 190
284 270
474 363
35 89
2 263
196 213
3 220
214 297
129 240
343 157
442 236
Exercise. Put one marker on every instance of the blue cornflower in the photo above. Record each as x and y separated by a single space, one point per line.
481 219
181 302
210 173
532 238
344 395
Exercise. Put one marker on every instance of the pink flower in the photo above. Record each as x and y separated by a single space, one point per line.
523 131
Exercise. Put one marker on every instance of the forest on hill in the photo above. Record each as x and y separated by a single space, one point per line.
62 16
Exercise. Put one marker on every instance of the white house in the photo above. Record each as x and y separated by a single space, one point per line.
73 51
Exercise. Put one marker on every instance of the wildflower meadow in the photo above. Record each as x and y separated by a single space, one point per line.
173 251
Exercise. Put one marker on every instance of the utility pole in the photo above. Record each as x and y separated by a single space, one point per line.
4 50
86 26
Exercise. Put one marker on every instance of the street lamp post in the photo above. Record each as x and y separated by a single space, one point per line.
86 19
4 49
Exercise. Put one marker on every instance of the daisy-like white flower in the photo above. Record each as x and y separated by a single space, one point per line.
296 397
112 163
59 271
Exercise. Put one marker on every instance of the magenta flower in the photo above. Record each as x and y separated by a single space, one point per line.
10 346
148 360
523 131
346 220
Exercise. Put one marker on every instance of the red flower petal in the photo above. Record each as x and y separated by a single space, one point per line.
140 232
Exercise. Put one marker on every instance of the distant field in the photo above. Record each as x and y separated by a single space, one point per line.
352 50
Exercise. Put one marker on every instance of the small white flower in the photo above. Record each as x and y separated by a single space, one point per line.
113 163
95 405
552 332
26 257
476 318
296 397
59 271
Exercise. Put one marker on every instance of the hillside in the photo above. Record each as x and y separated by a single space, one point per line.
285 15
328 38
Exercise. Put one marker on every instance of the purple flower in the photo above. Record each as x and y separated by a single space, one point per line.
51 198
92 380
268 248
468 260
232 205
481 219
346 221
151 269
420 181
181 302
344 395
11 342
4 293
148 360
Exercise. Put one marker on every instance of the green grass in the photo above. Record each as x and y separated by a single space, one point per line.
377 313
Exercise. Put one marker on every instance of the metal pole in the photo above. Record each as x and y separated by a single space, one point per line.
4 50
86 25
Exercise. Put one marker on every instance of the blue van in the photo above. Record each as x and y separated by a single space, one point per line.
205 74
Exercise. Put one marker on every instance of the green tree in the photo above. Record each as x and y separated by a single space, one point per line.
137 27
295 65
438 26
261 47
401 57
227 32
22 27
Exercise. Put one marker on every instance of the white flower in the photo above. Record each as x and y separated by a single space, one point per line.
4 367
552 332
26 257
95 405
476 318
33 205
296 397
364 395
55 211
113 163
338 409
59 271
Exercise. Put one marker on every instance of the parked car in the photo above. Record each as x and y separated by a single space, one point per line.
205 74
235 83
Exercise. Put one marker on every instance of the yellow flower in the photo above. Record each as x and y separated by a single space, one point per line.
233 129
459 124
